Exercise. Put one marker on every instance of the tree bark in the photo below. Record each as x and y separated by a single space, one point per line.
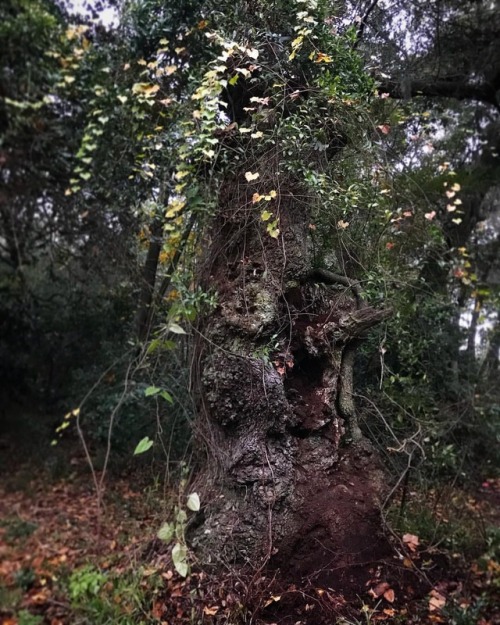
287 478
145 310
457 89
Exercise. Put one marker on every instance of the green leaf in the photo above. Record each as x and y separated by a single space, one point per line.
193 502
181 516
179 558
143 445
167 397
166 532
160 344
152 390
176 328
265 215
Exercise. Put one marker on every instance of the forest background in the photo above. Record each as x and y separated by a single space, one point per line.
249 269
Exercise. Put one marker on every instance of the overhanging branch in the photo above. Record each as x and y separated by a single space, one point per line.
459 90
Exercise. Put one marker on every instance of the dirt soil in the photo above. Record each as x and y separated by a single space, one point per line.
49 528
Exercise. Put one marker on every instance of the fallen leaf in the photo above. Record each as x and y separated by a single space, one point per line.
436 601
411 541
389 595
211 611
379 590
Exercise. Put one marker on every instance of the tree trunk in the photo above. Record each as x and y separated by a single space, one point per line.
292 481
145 309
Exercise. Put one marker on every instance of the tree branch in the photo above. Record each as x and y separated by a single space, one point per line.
460 90
362 24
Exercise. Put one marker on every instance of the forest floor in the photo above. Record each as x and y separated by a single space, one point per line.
62 562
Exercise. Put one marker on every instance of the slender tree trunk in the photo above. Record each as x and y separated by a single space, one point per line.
292 479
146 296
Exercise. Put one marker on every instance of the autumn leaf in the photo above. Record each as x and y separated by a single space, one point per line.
157 610
437 601
379 590
385 129
249 176
145 89
211 611
411 541
389 595
321 57
430 216
342 224
272 599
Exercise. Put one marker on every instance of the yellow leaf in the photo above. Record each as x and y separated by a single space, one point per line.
273 194
173 208
256 197
323 58
144 88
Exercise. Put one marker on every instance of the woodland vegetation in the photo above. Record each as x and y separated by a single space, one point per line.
250 332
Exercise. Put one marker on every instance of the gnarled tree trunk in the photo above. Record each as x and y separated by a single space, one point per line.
295 482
